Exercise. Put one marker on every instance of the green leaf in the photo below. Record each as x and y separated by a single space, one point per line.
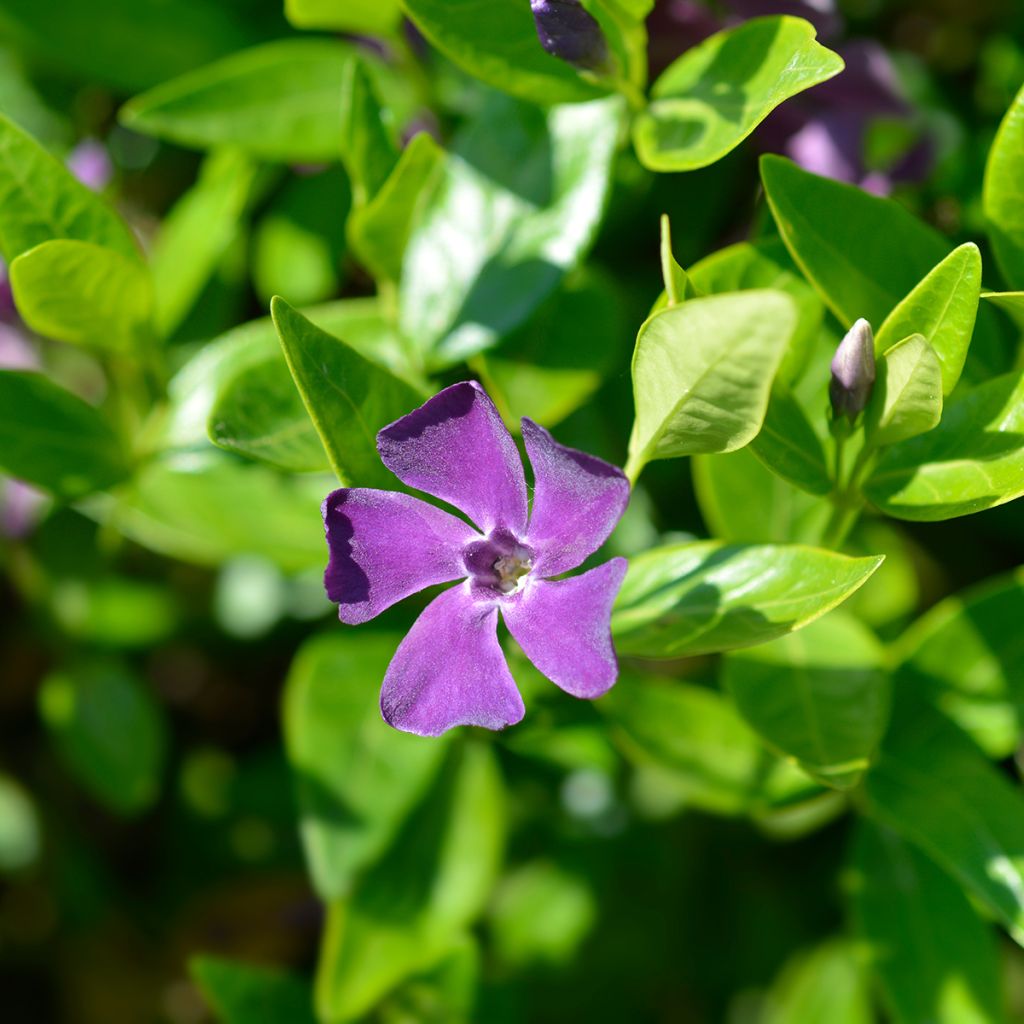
1010 302
84 294
788 445
279 101
356 777
379 231
363 17
20 830
41 200
706 596
942 308
828 983
933 786
411 908
1001 194
197 232
707 102
973 460
555 362
695 739
677 284
934 957
206 506
964 653
299 243
245 994
348 398
742 500
907 396
702 372
51 438
109 731
366 146
819 696
496 41
517 205
765 263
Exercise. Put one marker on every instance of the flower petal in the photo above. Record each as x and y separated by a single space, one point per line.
456 448
450 670
563 627
577 500
385 546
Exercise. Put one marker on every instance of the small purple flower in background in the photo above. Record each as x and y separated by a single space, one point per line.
450 670
90 163
567 30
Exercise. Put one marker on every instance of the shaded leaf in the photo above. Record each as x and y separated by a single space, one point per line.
1001 195
246 994
907 396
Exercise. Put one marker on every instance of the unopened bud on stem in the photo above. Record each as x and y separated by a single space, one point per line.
568 31
853 372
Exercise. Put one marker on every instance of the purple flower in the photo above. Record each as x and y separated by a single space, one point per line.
90 164
449 670
567 30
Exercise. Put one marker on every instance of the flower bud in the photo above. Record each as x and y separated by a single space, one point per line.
853 371
568 31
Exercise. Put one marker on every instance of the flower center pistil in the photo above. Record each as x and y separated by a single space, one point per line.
499 561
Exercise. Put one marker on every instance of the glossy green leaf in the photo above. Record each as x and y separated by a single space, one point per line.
20 830
411 907
765 263
246 994
788 445
41 200
197 232
934 957
497 233
365 17
554 363
366 146
702 372
299 242
828 983
84 294
1002 193
207 506
964 652
356 777
109 731
496 41
743 501
51 438
942 309
972 460
717 93
819 696
934 787
348 398
278 101
706 596
379 231
696 740
259 413
907 396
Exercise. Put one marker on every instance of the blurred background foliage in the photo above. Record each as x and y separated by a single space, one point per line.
152 806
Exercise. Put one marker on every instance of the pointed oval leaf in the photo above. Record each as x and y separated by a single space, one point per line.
942 308
1001 194
84 294
907 397
717 93
973 460
820 696
706 596
702 372
51 438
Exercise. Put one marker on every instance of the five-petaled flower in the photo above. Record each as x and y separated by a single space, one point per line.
449 670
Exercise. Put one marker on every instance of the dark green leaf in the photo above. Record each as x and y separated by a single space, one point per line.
717 93
245 994
788 445
366 146
707 596
819 696
51 438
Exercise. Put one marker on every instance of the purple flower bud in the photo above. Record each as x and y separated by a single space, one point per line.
90 164
571 33
853 371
